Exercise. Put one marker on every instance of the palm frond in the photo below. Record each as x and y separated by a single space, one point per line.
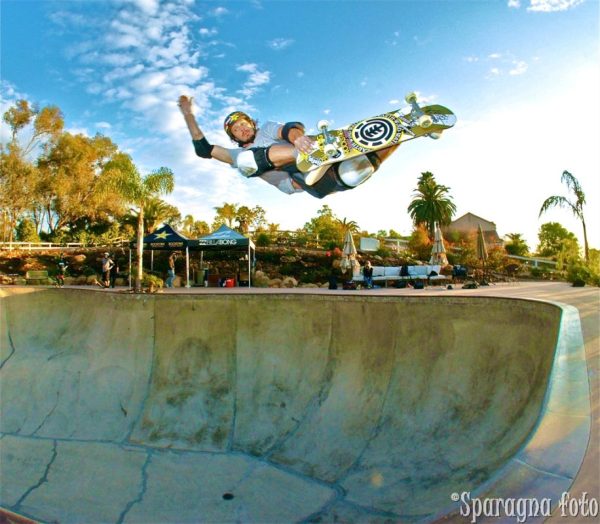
554 201
160 182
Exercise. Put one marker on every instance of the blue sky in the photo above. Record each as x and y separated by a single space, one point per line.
521 75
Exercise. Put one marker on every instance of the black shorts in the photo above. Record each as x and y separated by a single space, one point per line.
330 182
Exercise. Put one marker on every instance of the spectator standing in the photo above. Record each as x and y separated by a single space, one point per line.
368 274
114 272
61 270
107 265
171 270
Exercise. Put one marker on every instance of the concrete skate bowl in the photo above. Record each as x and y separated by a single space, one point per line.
283 407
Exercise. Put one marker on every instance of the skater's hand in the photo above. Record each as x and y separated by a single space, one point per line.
304 144
185 104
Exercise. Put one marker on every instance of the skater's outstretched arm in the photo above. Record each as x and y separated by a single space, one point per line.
202 146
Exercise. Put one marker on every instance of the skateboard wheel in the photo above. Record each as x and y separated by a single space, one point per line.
411 97
435 136
425 121
322 124
330 150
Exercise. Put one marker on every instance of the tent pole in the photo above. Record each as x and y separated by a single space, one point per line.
187 266
249 265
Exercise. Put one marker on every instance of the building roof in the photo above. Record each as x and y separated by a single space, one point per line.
469 221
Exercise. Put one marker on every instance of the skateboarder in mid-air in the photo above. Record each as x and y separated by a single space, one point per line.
270 151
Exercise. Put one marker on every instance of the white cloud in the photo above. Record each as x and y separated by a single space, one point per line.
548 6
279 44
205 31
256 79
103 125
497 64
218 11
147 6
77 131
519 68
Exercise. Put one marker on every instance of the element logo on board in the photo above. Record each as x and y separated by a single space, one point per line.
374 132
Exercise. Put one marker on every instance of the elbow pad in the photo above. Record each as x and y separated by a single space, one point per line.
203 148
285 131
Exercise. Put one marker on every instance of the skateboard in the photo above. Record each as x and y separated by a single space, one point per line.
373 134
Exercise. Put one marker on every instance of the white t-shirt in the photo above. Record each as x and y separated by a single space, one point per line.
265 137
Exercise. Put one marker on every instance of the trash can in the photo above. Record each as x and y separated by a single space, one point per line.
230 282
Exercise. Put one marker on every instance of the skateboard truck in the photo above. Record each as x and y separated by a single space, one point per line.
423 120
329 147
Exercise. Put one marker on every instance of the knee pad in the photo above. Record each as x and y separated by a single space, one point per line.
355 171
254 161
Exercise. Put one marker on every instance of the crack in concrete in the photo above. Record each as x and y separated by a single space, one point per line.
43 479
48 415
12 351
142 492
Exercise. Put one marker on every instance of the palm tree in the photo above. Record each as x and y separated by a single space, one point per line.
576 205
431 204
157 211
226 213
348 225
127 182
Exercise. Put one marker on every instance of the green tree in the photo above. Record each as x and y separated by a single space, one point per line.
419 242
516 245
194 228
552 236
47 124
19 178
157 212
431 204
71 171
19 181
26 231
226 214
568 253
325 228
125 179
259 218
574 204
244 218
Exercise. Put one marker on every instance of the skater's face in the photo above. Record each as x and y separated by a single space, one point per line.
243 131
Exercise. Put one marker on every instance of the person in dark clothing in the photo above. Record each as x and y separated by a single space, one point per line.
368 275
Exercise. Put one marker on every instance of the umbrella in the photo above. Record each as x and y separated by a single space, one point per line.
438 251
348 253
481 250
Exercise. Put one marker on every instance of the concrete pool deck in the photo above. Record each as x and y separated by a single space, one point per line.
270 435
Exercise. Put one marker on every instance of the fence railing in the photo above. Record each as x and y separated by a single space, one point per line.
535 262
51 246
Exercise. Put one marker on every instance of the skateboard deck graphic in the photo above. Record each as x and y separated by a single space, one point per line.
376 133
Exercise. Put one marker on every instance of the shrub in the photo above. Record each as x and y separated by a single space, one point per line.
263 240
152 282
578 274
